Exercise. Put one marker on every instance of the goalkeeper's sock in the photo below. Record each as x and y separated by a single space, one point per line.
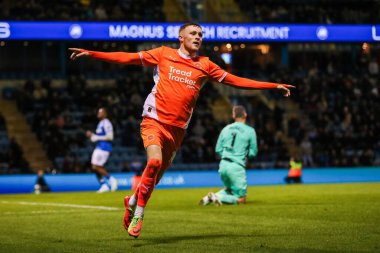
139 211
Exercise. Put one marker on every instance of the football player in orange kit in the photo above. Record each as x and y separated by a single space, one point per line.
178 78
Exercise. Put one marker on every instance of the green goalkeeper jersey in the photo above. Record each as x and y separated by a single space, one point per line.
236 143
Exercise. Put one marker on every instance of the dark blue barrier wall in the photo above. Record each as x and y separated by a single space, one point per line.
88 182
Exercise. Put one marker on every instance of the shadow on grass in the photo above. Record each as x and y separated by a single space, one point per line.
260 247
255 246
253 202
174 239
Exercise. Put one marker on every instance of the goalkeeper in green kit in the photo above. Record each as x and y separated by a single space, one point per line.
235 144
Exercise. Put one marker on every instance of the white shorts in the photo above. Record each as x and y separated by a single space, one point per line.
99 157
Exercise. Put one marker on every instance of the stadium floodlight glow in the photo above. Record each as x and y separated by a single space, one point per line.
138 31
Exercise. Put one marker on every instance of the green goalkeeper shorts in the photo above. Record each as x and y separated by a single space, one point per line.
234 178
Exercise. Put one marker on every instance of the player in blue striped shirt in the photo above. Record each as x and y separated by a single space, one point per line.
104 137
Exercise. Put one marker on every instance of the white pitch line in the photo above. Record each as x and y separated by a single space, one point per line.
61 205
42 212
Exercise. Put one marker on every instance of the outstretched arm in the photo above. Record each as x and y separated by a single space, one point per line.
245 83
114 57
107 137
94 137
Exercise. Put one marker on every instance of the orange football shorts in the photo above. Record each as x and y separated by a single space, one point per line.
168 137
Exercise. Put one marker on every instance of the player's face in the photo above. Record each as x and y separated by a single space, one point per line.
191 38
101 114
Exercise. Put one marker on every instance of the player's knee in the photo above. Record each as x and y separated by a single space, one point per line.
94 167
153 167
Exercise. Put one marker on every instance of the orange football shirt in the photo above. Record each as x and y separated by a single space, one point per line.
178 80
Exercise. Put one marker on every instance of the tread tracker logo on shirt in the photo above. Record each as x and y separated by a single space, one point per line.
181 76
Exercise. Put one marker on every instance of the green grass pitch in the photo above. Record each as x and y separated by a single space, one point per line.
298 218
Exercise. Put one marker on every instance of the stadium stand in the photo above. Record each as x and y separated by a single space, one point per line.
273 11
324 98
12 160
338 115
333 120
59 117
330 118
84 10
315 11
